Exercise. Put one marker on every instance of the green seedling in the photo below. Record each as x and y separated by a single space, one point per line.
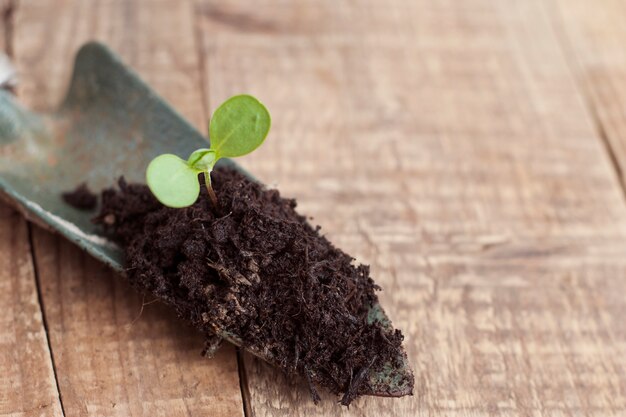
237 127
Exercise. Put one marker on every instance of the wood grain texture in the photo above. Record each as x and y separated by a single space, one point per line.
115 357
110 361
27 384
5 25
156 37
448 145
593 36
27 381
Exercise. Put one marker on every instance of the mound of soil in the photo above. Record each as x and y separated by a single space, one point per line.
81 198
255 269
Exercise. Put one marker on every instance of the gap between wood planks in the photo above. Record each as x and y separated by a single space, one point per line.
243 384
8 9
206 106
8 20
7 14
31 245
204 93
556 19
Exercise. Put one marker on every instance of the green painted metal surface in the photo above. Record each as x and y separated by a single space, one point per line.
110 124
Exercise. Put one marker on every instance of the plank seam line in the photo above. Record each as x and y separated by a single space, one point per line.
204 92
571 61
609 149
8 21
205 104
43 313
204 97
243 384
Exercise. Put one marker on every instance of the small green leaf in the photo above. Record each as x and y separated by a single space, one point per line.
197 155
203 159
238 126
172 181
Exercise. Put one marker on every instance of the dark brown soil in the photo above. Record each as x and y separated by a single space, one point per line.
81 198
256 269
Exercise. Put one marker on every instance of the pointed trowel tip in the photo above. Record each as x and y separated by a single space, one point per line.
395 378
391 381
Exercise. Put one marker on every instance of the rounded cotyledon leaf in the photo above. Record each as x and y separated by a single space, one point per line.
238 126
172 181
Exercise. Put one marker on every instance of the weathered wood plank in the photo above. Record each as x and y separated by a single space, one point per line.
110 362
593 36
155 36
27 384
115 357
447 145
5 23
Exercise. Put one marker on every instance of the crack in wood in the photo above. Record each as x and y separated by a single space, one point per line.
7 14
243 383
558 27
197 33
44 319
8 21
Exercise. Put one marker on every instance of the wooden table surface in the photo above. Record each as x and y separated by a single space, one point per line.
473 152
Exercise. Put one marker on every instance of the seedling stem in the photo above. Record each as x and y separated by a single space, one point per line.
238 126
